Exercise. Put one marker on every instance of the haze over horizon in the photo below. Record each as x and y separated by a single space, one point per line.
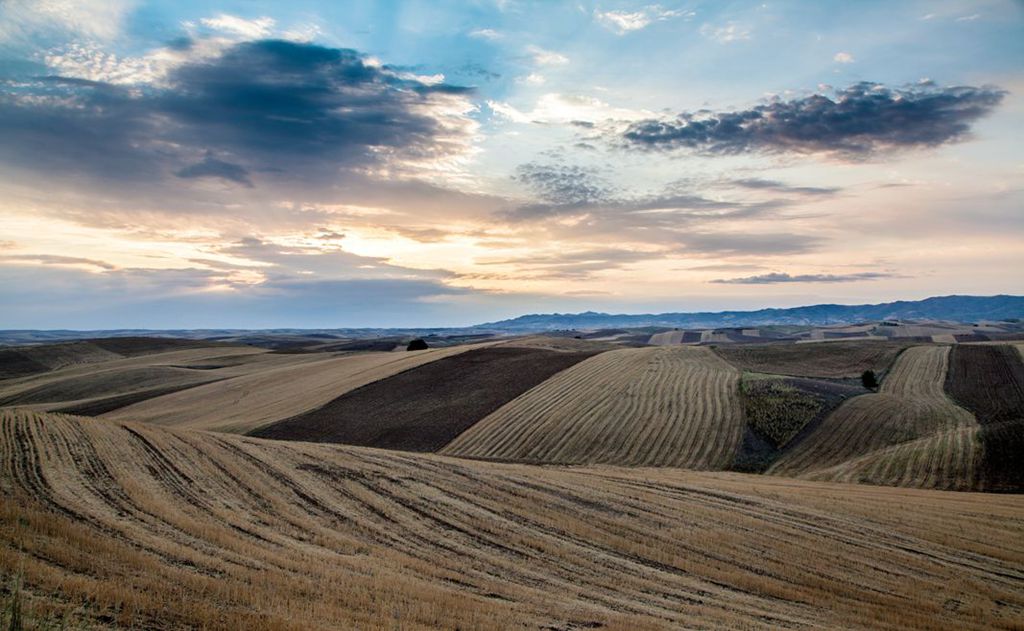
312 165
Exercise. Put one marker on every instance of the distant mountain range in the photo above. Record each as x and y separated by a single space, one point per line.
952 308
949 308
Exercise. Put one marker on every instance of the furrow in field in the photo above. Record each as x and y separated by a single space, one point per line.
666 406
166 528
909 433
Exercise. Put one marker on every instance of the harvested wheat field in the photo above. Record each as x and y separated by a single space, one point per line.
908 434
424 408
136 525
662 406
303 383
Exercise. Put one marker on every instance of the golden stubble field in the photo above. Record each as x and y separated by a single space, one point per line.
147 527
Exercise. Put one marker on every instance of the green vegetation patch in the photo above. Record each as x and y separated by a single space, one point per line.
776 409
780 411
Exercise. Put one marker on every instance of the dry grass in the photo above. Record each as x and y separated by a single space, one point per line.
299 383
664 406
908 434
146 527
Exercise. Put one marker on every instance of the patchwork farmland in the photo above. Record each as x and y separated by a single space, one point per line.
683 485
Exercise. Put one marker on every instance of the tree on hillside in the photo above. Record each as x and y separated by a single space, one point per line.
868 379
417 345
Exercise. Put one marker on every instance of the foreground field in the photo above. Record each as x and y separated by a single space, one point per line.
662 406
136 525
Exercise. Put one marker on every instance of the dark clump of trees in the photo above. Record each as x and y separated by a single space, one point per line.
417 345
868 379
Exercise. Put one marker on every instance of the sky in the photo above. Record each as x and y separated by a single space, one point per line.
255 164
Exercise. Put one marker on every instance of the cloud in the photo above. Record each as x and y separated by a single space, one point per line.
622 22
532 79
561 184
193 298
746 244
486 33
860 121
726 33
30 21
576 265
52 259
212 167
843 58
234 25
279 108
781 187
543 57
776 277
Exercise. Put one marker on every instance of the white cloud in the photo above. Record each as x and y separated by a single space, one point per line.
20 20
565 108
727 33
232 24
969 18
532 79
302 33
623 22
544 57
486 33
843 58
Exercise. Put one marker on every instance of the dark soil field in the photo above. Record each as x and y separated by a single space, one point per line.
834 360
14 363
136 346
425 408
989 381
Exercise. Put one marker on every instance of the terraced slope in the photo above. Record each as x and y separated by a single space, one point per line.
907 434
160 528
250 401
664 406
424 408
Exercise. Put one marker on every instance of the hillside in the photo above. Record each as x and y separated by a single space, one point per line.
663 406
909 433
117 524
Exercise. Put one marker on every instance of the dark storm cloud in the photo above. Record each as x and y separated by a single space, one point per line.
775 277
278 107
212 167
861 120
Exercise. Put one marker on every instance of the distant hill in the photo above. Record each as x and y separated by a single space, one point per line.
953 308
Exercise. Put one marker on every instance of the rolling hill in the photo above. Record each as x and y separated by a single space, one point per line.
117 524
663 406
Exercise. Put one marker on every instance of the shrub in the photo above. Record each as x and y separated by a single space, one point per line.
868 379
417 345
